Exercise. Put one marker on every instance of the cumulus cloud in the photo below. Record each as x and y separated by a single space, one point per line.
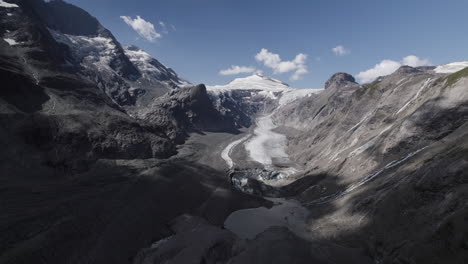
271 60
340 50
144 28
387 67
237 70
414 61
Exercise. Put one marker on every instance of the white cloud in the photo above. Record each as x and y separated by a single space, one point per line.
273 61
387 67
163 27
142 27
414 61
298 74
340 50
237 70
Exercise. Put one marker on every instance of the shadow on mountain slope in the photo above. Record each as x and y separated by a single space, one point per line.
412 213
105 215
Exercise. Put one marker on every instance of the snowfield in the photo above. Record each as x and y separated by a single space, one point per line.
96 51
253 82
292 95
7 5
451 67
150 67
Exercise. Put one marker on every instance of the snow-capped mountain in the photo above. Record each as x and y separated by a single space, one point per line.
125 74
260 85
245 97
253 82
151 69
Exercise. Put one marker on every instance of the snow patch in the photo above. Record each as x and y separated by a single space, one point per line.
7 5
96 51
451 67
11 42
428 81
150 67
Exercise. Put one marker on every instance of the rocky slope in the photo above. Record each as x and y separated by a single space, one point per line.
80 169
394 155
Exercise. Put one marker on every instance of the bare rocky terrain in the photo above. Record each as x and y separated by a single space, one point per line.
108 156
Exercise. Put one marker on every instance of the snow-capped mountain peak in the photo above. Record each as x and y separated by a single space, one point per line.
151 68
253 82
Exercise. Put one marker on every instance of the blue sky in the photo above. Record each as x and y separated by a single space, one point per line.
212 35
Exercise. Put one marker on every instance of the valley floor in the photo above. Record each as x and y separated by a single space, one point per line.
118 207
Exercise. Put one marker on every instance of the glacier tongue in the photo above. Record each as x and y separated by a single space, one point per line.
263 146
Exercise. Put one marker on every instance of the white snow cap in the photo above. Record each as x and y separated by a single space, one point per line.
451 67
253 82
265 86
7 5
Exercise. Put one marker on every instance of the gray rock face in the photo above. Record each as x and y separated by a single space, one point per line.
339 79
407 70
125 74
186 110
377 143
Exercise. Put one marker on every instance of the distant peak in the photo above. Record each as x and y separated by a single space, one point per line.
406 69
266 78
339 79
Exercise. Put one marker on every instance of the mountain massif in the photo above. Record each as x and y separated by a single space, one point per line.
108 156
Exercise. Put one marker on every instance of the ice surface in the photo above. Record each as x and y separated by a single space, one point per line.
266 144
225 154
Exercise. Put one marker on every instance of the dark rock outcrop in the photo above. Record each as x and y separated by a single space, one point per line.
185 110
339 79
